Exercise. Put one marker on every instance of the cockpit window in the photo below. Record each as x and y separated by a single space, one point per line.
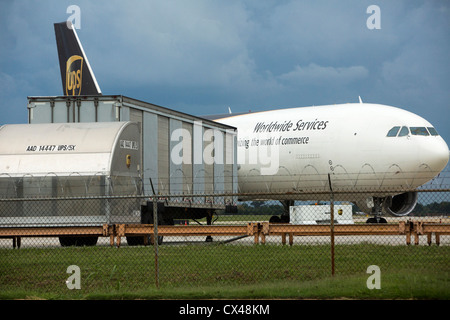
403 132
416 131
433 131
393 132
419 131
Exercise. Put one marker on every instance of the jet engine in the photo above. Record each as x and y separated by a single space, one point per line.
400 205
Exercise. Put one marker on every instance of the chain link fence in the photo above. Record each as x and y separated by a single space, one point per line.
52 244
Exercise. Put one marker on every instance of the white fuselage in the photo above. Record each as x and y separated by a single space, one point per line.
294 150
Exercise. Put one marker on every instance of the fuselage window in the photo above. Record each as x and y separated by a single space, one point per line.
433 131
419 131
403 132
393 132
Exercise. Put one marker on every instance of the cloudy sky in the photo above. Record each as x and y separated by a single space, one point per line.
203 56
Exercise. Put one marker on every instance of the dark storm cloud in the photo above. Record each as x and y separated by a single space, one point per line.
204 56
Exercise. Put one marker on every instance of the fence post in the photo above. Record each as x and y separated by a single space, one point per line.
331 224
155 239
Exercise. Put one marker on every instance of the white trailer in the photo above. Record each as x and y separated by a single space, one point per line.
320 214
47 164
81 147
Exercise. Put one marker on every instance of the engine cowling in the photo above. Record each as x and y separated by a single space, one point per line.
400 205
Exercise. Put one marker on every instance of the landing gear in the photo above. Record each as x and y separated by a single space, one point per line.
274 219
285 216
377 212
376 219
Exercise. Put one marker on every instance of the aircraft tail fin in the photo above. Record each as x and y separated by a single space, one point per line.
76 73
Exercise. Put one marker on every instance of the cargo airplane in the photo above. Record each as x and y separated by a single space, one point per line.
370 154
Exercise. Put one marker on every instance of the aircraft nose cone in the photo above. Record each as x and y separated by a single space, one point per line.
438 155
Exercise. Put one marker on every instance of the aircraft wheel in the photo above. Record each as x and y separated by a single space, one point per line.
375 220
78 241
275 219
140 240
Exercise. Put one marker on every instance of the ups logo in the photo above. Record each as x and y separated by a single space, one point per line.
74 67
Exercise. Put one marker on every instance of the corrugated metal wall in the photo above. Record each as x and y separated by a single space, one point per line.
208 161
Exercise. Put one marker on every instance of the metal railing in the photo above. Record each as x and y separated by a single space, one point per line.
201 245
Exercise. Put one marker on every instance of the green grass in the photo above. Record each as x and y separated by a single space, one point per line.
226 271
